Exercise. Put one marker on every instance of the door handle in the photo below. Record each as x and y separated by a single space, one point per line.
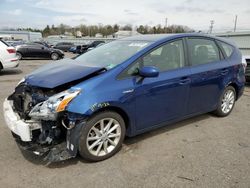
224 71
185 80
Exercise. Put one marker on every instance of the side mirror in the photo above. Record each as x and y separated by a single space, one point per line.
148 71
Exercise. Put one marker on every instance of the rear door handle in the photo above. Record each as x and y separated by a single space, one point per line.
185 80
224 71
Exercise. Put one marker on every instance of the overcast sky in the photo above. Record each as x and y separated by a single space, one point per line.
195 14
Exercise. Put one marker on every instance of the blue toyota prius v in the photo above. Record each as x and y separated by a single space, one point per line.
88 104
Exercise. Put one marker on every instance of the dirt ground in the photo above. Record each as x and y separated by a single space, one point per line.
203 151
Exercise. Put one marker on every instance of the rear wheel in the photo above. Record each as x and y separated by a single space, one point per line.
54 56
19 55
102 136
226 102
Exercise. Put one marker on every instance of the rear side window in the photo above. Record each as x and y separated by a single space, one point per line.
202 51
228 49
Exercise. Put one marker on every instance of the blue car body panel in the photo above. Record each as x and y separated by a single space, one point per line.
170 97
59 73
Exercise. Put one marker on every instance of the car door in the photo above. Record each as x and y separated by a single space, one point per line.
34 50
208 70
162 98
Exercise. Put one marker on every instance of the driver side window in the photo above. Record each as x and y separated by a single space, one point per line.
166 57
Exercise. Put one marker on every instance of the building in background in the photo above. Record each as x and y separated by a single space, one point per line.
78 34
21 35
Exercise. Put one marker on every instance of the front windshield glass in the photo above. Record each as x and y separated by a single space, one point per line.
111 54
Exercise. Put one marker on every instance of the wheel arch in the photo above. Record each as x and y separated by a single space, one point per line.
1 65
236 88
121 112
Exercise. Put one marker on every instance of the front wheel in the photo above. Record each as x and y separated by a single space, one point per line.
102 136
54 56
226 102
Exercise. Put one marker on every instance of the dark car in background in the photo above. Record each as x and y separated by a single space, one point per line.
76 49
91 45
64 46
44 44
80 49
35 50
246 60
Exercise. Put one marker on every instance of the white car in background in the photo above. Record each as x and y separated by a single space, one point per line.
8 58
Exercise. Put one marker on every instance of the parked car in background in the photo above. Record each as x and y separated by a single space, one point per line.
8 58
91 46
64 46
246 62
35 50
76 49
125 87
43 43
15 43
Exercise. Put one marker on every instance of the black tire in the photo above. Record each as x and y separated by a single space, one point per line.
83 148
219 111
54 56
19 55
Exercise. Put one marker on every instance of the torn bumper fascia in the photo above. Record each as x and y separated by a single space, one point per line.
22 132
17 125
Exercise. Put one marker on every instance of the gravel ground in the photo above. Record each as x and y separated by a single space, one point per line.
203 151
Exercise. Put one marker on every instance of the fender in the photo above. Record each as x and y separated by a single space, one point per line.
89 108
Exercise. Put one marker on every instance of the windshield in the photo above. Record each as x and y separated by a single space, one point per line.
111 54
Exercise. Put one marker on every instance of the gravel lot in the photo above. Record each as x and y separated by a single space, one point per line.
204 151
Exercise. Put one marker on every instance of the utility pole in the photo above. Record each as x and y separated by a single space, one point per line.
166 25
211 26
235 22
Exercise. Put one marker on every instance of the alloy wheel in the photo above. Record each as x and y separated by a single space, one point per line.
103 137
228 101
54 56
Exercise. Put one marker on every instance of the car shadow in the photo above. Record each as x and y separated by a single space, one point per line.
129 142
163 130
10 72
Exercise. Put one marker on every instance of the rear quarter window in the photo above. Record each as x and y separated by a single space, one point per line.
228 49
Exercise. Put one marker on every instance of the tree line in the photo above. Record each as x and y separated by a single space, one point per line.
107 30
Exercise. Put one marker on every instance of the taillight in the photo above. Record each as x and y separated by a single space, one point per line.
11 50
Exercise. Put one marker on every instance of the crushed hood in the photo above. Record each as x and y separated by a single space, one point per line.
59 73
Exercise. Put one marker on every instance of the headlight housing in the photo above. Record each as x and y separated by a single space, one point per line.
48 109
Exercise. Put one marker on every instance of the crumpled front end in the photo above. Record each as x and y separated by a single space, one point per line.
39 122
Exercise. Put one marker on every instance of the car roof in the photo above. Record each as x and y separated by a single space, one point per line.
159 37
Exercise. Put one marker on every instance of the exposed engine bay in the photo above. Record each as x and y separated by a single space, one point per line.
54 134
36 111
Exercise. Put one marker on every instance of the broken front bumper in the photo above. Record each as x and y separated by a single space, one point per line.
22 132
17 125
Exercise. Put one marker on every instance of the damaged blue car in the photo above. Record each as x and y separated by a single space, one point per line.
88 105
